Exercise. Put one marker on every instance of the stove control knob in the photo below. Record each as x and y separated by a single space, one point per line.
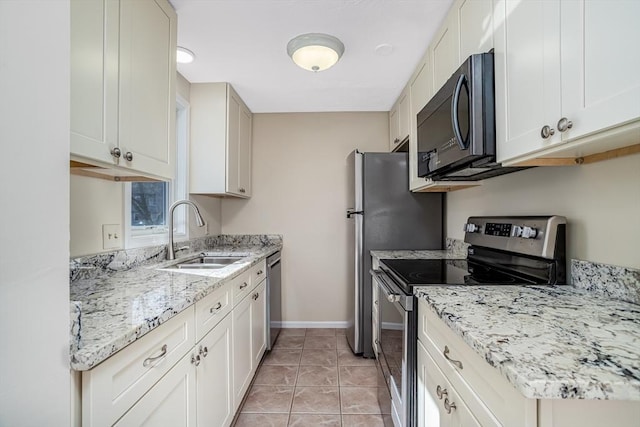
529 232
516 231
471 228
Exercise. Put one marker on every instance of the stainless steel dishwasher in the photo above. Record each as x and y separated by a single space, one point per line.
274 296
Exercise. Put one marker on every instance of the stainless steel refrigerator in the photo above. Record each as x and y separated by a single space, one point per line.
383 215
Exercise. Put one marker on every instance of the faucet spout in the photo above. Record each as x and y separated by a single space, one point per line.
171 254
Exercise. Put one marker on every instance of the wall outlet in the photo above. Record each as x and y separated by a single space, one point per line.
111 236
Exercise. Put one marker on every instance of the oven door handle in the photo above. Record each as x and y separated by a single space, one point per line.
393 295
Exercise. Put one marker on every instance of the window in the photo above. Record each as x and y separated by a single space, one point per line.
146 204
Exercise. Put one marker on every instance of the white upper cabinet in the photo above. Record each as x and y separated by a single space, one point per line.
399 121
600 64
564 71
444 51
123 74
475 27
220 149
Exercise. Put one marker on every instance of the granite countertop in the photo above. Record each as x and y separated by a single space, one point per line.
549 342
112 309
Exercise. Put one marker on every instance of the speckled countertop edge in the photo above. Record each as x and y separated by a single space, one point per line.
114 310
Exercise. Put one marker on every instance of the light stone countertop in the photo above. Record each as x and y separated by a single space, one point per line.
116 308
549 342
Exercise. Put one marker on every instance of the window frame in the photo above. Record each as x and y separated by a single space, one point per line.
177 189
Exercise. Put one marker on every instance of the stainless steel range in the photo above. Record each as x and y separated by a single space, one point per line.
515 251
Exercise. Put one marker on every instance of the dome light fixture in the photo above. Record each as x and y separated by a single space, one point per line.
315 51
184 56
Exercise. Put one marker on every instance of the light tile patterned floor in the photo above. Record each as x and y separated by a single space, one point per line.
311 378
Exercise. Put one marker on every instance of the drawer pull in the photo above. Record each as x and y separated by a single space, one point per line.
449 406
256 296
259 272
149 360
217 307
441 392
446 356
244 285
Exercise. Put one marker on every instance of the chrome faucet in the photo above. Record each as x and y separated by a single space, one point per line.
171 254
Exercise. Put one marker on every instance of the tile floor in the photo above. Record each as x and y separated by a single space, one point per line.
311 378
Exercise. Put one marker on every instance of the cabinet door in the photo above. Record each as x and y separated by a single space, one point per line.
444 51
403 116
215 388
94 78
394 128
147 86
527 75
171 402
242 354
600 78
475 29
233 143
258 323
244 151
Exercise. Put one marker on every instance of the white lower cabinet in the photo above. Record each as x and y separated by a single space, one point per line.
169 403
456 387
242 356
193 370
249 340
214 377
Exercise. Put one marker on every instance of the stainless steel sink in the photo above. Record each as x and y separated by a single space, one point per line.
210 261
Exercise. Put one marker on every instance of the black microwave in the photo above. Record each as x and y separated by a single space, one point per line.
457 130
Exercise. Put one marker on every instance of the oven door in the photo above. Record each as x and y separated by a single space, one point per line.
394 358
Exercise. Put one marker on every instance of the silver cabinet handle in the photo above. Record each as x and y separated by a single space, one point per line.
441 392
116 152
242 190
395 141
149 360
244 285
445 353
204 351
217 307
256 296
564 124
547 132
259 272
195 359
449 406
128 156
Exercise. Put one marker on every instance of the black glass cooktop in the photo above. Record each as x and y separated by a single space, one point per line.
425 272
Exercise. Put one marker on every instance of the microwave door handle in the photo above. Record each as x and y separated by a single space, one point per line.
455 121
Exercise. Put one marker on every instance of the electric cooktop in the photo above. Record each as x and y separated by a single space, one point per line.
425 272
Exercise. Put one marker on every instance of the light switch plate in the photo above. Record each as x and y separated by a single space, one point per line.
111 236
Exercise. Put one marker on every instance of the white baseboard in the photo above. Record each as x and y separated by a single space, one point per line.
309 325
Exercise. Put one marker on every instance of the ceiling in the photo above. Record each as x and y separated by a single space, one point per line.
244 42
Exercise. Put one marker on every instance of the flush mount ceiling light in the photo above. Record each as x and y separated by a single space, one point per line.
184 56
315 51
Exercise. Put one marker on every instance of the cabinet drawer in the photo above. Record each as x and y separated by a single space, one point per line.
441 394
114 386
478 383
211 309
241 286
259 272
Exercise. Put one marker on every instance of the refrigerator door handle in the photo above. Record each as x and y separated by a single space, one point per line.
351 212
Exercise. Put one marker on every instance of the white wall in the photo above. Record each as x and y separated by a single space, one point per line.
600 200
299 191
34 219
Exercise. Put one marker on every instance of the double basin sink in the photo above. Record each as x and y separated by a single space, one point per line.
209 261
